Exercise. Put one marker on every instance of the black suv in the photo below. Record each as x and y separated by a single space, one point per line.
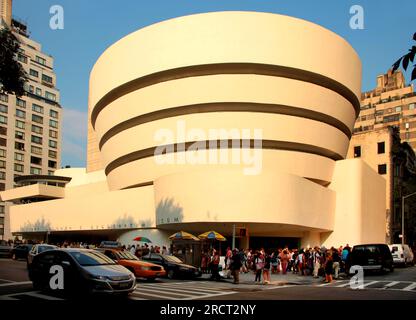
372 257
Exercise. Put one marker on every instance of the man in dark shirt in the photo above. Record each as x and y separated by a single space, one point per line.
235 266
336 262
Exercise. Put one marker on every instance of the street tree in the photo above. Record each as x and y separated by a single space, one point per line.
12 74
405 59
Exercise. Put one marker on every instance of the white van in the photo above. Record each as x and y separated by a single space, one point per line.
402 254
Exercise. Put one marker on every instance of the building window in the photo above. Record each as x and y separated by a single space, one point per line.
19 157
37 129
36 150
19 135
382 168
53 123
398 109
20 103
381 147
37 108
53 114
2 210
394 117
22 58
3 119
53 134
412 106
52 154
2 164
4 97
34 170
2 188
18 167
50 172
52 164
3 108
53 144
46 78
31 89
2 175
357 151
40 60
50 96
36 139
36 160
34 73
36 118
38 91
19 146
2 153
20 124
3 131
407 135
20 114
3 142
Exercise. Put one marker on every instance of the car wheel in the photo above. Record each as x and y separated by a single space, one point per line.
171 274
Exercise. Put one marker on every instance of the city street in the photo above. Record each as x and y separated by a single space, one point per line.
401 285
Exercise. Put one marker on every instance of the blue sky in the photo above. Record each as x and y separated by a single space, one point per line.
93 25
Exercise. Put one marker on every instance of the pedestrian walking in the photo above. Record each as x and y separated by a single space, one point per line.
259 265
336 262
215 275
266 269
316 262
284 260
328 267
235 266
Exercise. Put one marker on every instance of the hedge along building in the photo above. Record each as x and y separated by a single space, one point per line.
296 82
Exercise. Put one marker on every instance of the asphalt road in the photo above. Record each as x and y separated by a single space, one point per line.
399 285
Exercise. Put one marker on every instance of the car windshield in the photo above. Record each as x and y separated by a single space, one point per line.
172 259
90 258
125 255
45 248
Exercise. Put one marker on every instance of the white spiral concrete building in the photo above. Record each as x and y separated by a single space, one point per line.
294 80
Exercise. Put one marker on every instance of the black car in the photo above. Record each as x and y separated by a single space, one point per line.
5 249
175 268
21 251
372 257
84 272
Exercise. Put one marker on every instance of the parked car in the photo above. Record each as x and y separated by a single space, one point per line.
402 254
372 257
85 272
5 249
38 248
174 267
141 269
21 251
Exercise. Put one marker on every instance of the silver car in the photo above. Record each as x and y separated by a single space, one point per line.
84 272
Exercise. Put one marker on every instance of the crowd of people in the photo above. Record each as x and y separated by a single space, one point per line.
316 262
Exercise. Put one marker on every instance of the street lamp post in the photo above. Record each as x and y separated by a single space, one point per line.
404 197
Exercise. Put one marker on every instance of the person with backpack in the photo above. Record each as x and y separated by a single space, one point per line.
235 266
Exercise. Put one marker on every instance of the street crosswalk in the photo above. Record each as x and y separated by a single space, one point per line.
179 291
147 291
375 284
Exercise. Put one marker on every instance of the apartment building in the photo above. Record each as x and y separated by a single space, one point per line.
391 103
30 126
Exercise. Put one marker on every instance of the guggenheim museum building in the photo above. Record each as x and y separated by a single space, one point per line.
216 121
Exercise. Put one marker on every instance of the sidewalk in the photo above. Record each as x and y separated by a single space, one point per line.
276 279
